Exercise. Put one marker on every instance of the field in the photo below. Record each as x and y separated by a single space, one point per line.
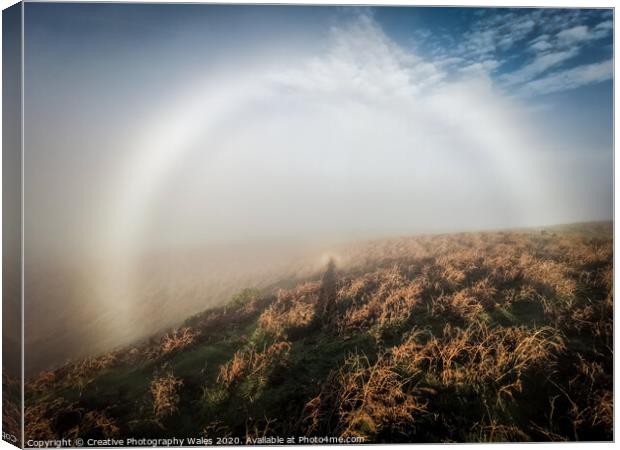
469 337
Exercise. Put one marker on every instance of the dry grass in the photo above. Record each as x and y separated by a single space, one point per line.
95 420
494 337
480 356
165 393
493 431
363 399
381 298
39 420
177 340
257 429
61 419
248 362
294 309
82 372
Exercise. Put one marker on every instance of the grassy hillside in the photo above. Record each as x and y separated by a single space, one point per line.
490 336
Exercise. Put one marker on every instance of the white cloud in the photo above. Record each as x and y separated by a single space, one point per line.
540 44
582 34
539 65
364 62
446 62
602 30
511 36
523 27
571 78
506 42
574 35
607 25
480 42
485 67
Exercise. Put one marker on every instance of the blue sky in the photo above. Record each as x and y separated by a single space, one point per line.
178 122
527 49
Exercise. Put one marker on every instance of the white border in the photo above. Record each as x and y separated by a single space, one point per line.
482 3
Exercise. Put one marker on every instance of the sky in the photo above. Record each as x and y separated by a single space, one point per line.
195 123
154 130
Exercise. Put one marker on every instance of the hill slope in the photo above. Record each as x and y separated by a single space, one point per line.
494 336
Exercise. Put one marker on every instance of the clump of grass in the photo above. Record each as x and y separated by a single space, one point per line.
80 373
493 431
97 423
493 358
381 299
61 419
177 340
363 399
250 363
165 392
292 311
235 369
40 419
256 429
459 306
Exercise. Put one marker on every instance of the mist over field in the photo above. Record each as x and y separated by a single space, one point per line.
176 156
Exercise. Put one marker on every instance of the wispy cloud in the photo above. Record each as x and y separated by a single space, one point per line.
607 25
573 35
540 44
582 33
570 78
482 68
542 63
498 33
518 47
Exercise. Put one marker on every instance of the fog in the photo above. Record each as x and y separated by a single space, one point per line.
364 139
250 172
